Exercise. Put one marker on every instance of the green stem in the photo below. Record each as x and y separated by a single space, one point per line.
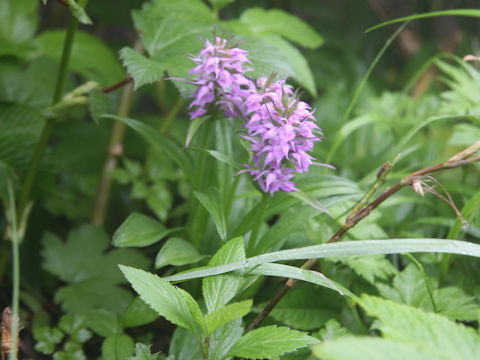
50 123
16 275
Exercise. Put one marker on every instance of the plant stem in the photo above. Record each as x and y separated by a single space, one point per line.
463 158
427 281
16 275
115 149
50 123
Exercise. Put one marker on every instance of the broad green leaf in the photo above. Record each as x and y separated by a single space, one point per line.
453 12
102 322
345 248
433 333
90 272
212 203
184 345
138 313
142 69
364 348
90 57
453 303
139 231
279 22
78 12
304 308
177 251
219 290
270 341
164 298
288 271
18 21
143 352
226 314
117 347
224 338
161 142
47 338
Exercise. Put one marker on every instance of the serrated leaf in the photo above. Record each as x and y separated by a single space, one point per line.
78 12
219 290
117 347
139 231
433 333
164 298
279 22
138 313
454 303
142 69
371 267
177 251
223 315
142 352
212 203
270 341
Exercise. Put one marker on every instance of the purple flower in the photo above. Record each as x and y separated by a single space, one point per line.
281 131
220 78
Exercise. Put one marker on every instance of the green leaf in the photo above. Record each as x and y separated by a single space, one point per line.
78 12
220 157
139 231
332 330
138 313
46 338
18 21
75 326
184 345
142 69
161 142
434 333
90 57
455 12
142 352
212 203
279 22
454 303
288 271
364 348
219 290
177 251
164 298
300 309
371 267
226 314
90 272
99 104
193 127
117 347
72 351
270 341
224 338
345 248
102 322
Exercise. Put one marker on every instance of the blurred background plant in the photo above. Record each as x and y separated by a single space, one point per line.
169 208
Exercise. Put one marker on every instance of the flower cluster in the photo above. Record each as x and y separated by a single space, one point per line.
278 125
220 78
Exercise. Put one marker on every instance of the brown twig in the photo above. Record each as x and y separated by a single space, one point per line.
117 85
463 158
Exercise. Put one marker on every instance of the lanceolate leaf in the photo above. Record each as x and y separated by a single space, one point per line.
155 138
270 341
212 203
346 248
165 298
226 314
